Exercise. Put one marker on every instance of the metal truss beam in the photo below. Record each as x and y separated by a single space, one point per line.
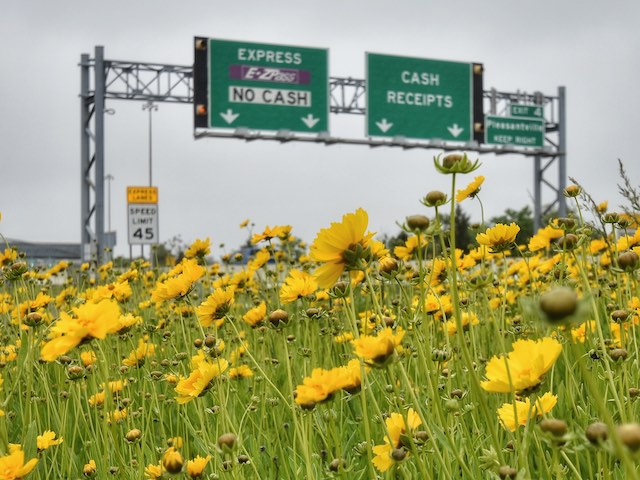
123 80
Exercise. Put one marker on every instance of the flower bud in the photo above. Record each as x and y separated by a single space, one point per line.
388 265
417 223
312 312
620 316
505 471
629 434
554 426
618 354
340 289
172 460
337 464
559 303
572 191
398 454
611 217
279 317
434 198
133 435
33 319
597 432
75 372
227 441
628 260
568 241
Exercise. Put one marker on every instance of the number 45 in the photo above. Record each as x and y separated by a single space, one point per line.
148 233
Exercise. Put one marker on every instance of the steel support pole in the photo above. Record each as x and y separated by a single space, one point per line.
85 159
537 193
99 151
562 147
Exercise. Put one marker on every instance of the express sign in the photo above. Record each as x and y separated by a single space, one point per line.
260 86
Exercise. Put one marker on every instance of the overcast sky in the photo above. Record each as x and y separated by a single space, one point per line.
208 186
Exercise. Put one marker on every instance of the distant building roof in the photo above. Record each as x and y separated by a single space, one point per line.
41 250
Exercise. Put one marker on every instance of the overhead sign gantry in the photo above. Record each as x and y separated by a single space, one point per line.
251 91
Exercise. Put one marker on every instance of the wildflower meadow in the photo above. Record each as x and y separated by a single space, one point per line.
346 358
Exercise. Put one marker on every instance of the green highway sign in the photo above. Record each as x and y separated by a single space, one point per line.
521 132
260 86
421 98
528 111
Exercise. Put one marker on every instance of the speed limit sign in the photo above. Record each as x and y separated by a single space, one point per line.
142 214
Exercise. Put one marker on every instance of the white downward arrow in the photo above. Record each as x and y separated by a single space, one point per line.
384 125
309 120
455 130
229 116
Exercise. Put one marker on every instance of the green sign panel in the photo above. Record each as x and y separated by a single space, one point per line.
266 87
521 132
528 111
419 98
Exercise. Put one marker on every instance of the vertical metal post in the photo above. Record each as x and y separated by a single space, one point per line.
562 147
108 178
151 107
85 159
537 193
99 150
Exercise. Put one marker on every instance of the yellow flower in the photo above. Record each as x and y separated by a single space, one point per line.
117 416
215 307
471 190
297 285
525 411
498 238
172 460
602 207
579 334
523 367
281 232
12 466
47 439
199 248
8 256
91 320
315 388
261 258
243 371
468 319
138 356
256 314
89 469
406 251
542 239
322 384
343 245
244 223
179 285
397 428
376 350
195 467
153 471
200 379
